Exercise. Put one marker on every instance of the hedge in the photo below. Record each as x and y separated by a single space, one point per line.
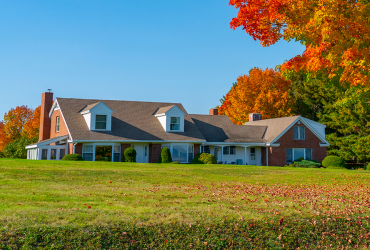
332 161
129 155
204 158
72 157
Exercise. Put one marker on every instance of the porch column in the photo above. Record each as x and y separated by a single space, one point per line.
200 150
112 156
94 149
267 156
222 154
245 155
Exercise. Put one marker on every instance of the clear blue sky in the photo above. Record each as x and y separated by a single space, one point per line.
165 51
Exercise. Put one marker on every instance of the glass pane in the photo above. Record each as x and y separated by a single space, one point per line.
301 136
88 148
298 153
253 157
103 153
295 133
100 125
175 119
180 153
207 149
61 153
117 149
87 156
226 150
145 150
53 154
44 154
232 150
289 155
101 118
116 157
308 154
175 127
253 150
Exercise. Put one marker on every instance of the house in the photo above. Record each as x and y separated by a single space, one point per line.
103 129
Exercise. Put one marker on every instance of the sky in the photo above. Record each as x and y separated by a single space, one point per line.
158 51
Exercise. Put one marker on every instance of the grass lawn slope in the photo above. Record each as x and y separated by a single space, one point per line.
50 204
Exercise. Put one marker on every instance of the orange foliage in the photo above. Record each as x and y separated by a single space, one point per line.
336 33
19 122
262 91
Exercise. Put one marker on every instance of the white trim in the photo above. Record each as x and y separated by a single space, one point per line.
65 122
130 141
52 140
267 156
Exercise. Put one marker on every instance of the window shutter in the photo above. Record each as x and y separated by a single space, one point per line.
296 133
301 133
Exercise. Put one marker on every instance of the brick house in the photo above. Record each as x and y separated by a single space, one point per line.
103 129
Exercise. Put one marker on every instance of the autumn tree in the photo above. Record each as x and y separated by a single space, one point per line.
19 128
262 91
336 33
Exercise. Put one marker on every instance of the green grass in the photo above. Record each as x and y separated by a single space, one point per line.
75 195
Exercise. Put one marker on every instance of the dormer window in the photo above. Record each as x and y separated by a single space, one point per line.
101 122
175 124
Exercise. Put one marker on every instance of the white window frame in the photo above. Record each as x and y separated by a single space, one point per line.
96 121
299 128
57 124
252 154
178 122
304 154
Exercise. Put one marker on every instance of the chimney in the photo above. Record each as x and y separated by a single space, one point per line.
255 117
46 104
213 112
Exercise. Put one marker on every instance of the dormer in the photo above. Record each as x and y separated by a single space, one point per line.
98 116
171 118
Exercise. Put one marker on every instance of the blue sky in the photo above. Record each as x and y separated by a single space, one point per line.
165 51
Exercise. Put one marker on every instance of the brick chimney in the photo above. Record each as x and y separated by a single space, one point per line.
213 112
255 117
46 103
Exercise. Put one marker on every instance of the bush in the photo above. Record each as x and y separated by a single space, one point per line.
165 155
305 164
72 157
332 161
17 148
365 167
204 158
130 155
175 162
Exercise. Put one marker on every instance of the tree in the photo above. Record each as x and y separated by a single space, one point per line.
336 33
262 91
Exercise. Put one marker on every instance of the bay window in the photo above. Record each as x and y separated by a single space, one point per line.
293 154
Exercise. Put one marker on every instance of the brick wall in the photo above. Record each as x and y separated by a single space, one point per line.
62 125
154 152
277 156
78 149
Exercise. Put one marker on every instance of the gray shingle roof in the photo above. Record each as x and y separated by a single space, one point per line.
274 126
90 106
130 121
164 109
219 128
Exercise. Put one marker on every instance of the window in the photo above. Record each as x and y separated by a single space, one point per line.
101 122
293 154
53 154
229 150
62 152
44 154
57 124
190 153
180 153
117 153
87 152
253 154
206 149
299 133
175 123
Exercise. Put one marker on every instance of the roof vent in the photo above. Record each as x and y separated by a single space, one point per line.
255 117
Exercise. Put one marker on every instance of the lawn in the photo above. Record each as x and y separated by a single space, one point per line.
270 207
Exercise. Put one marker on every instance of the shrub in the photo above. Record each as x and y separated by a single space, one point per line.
305 164
367 167
332 161
204 158
130 155
165 155
175 162
72 157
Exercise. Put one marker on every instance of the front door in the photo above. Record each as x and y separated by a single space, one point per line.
142 153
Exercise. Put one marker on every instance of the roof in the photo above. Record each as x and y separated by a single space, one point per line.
48 141
131 120
90 106
164 109
275 126
219 128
